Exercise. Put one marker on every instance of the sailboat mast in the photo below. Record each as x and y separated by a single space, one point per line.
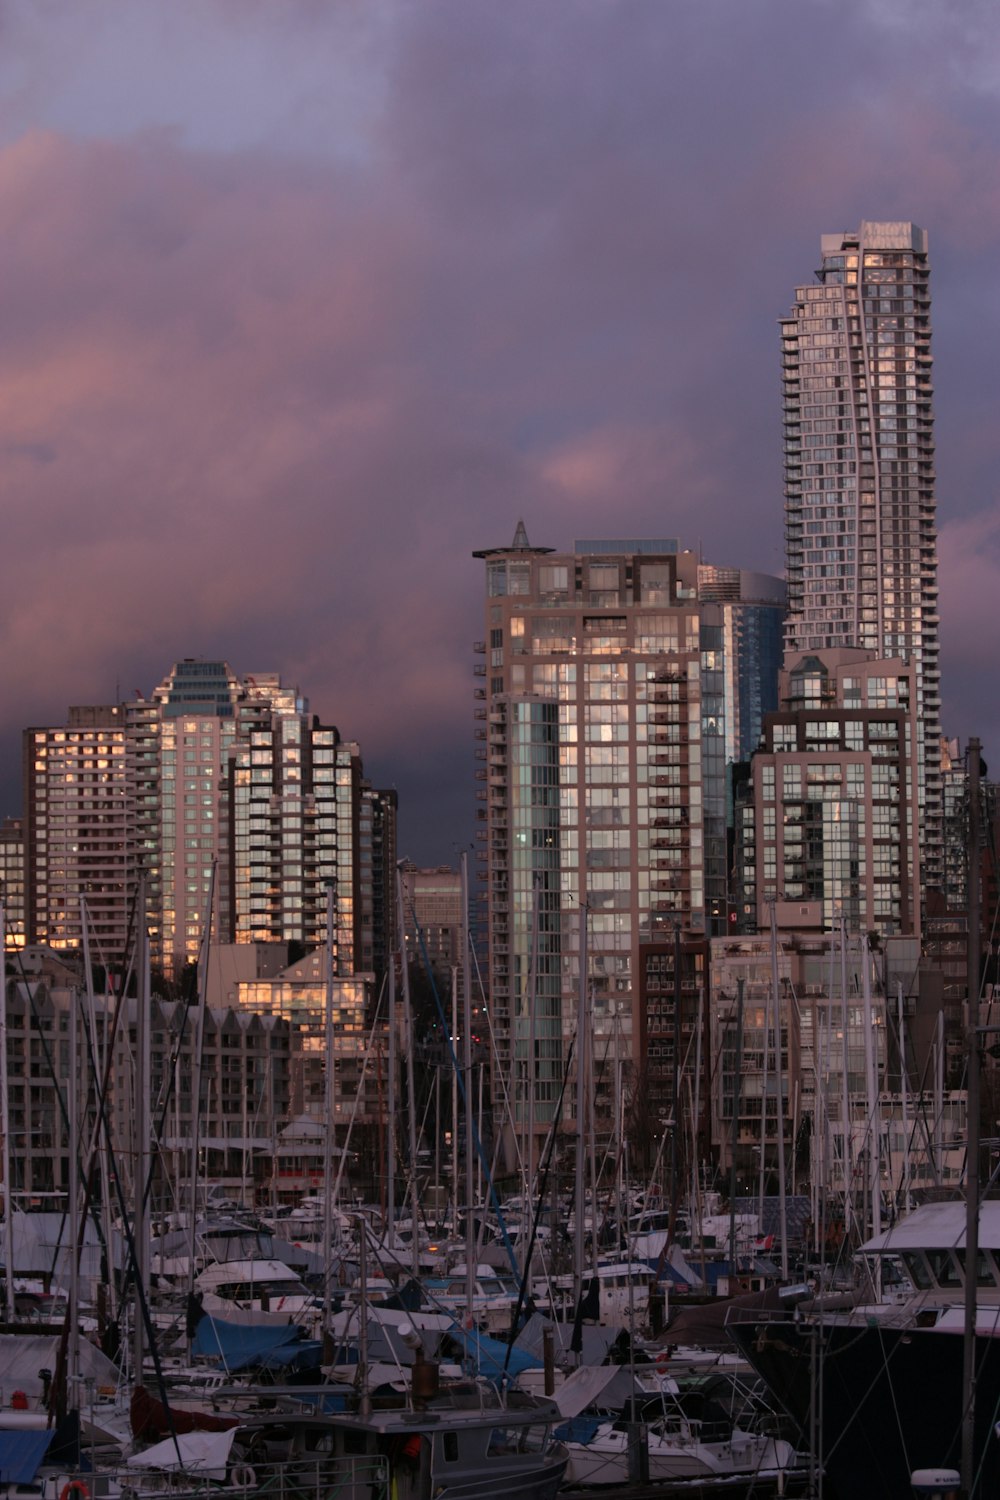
675 1082
470 1256
972 1152
198 1047
390 1208
329 1110
765 1071
779 1080
529 1155
904 1089
871 1088
734 1131
73 1103
142 1135
845 1103
411 1037
454 1099
8 1199
696 1112
582 1050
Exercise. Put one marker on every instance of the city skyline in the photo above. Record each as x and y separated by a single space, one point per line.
299 311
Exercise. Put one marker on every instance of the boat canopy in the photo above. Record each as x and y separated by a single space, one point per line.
937 1226
237 1345
491 1357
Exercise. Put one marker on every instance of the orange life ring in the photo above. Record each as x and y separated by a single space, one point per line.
662 1365
74 1487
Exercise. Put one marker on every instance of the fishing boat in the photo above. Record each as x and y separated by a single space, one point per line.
431 1442
880 1380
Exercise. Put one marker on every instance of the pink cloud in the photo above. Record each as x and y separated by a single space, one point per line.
264 400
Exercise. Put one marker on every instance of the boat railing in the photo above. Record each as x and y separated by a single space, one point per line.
811 1315
298 1477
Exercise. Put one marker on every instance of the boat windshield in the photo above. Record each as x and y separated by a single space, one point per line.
505 1440
917 1270
944 1267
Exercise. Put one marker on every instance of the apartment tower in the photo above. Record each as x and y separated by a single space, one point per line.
215 787
860 531
611 706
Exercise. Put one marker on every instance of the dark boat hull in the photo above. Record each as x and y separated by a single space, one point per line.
890 1399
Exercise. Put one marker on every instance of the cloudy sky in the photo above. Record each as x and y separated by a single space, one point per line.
300 303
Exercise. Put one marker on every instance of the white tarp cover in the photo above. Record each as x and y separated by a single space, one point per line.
204 1453
22 1355
596 1338
582 1387
615 1384
386 1328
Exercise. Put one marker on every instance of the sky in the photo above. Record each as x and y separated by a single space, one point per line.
302 303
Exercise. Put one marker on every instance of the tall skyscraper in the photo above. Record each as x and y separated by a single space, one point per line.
611 706
860 528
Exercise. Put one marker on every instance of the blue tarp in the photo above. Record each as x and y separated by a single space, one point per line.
238 1344
488 1355
21 1454
307 1354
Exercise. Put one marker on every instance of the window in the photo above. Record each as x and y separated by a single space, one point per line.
654 583
604 583
553 581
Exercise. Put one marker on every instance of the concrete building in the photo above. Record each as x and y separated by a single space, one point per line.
298 995
901 1118
215 789
674 1062
12 891
247 1072
432 903
378 821
860 509
819 993
609 701
295 790
79 832
828 815
178 746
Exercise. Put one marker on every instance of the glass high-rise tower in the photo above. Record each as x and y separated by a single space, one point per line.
860 522
619 683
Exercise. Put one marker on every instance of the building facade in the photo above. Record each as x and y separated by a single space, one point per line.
248 1065
609 713
860 510
236 806
12 893
829 812
433 919
81 862
298 996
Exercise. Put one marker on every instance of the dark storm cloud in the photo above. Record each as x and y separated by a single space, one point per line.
262 398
